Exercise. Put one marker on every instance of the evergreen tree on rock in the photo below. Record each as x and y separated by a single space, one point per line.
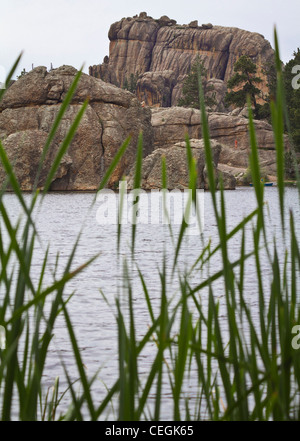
190 90
244 83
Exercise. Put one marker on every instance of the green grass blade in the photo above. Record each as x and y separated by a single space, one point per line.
114 163
57 121
136 189
278 130
80 365
10 75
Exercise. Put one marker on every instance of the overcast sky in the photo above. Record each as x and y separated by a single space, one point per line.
75 32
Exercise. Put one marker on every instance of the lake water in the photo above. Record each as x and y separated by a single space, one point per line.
59 221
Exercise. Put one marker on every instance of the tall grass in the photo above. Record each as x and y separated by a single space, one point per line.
249 372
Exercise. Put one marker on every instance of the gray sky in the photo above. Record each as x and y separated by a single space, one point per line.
75 32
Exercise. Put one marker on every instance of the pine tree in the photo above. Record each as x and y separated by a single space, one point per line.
190 90
264 111
244 83
132 83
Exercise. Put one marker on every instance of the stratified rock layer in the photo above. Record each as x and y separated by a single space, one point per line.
28 111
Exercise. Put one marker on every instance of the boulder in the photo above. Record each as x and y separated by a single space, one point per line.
170 125
164 20
28 111
229 180
177 166
143 15
206 26
193 24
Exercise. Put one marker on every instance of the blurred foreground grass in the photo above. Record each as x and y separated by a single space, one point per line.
257 379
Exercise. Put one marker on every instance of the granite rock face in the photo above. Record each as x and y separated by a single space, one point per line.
176 165
231 131
171 124
155 88
27 113
141 44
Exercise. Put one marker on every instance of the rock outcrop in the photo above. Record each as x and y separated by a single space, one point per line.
157 54
28 111
177 166
141 44
155 88
171 124
231 131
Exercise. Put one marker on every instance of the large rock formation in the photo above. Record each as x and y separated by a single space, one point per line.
31 104
161 52
157 54
27 113
231 131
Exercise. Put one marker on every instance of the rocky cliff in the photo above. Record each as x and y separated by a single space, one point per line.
27 113
159 53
